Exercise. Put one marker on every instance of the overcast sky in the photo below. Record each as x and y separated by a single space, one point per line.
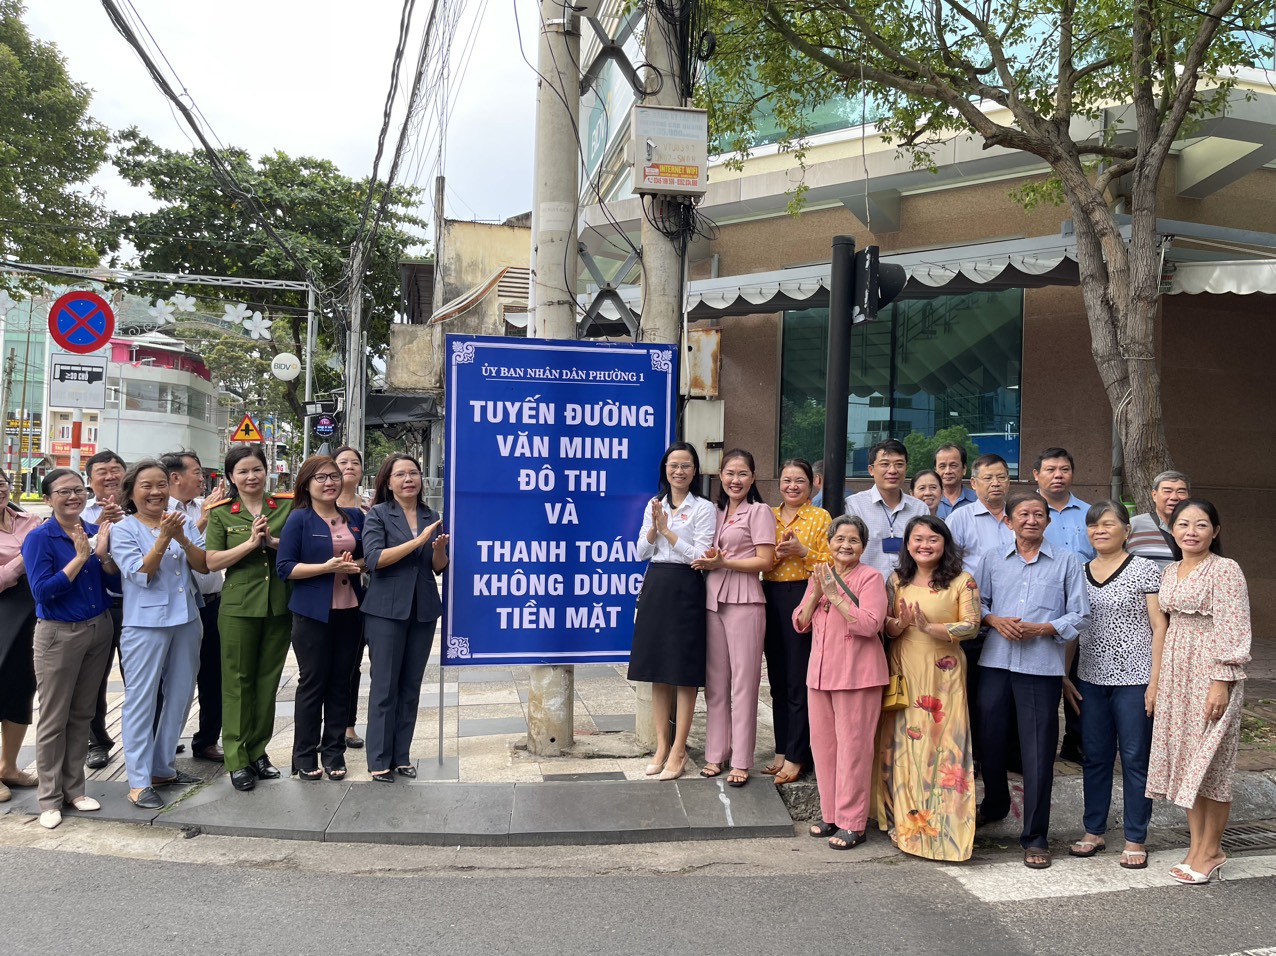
309 77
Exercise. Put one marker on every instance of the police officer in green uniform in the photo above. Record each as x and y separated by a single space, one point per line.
256 625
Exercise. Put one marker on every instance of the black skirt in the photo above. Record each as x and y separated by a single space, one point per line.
17 664
669 629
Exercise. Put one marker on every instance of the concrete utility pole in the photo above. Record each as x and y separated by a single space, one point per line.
551 697
662 271
9 365
356 362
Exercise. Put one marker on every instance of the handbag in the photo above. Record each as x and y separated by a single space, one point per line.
896 695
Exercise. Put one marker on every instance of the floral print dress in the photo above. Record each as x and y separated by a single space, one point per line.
925 794
1208 639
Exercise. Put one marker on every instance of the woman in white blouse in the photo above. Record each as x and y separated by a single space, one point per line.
669 627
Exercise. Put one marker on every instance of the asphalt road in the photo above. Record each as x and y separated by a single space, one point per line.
117 889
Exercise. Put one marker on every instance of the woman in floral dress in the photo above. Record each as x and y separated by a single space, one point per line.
926 792
1197 686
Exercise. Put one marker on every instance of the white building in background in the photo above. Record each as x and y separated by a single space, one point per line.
159 397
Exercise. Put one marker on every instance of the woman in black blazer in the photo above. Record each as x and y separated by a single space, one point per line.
404 550
320 552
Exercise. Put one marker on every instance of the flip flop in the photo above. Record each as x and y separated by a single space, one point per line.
1036 858
1088 848
1127 856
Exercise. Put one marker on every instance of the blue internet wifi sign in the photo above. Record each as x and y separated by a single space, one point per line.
553 450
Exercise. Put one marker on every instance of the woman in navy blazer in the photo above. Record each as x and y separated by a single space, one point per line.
404 550
320 552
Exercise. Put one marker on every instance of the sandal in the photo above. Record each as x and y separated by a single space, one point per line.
783 777
822 830
772 769
849 838
1036 858
314 774
1134 859
335 773
1086 848
737 777
711 770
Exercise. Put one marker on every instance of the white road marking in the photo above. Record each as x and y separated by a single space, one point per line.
1073 876
1269 951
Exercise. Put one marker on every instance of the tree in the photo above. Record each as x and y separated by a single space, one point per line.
933 69
49 147
312 205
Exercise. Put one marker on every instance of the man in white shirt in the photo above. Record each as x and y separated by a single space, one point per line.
884 508
105 472
185 482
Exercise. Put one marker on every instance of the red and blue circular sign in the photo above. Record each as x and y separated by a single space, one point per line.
81 322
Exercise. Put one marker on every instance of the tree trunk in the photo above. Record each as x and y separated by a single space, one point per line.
1118 285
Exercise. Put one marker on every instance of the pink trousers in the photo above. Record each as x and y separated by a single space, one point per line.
733 672
843 731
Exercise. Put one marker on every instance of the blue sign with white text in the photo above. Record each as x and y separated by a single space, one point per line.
553 449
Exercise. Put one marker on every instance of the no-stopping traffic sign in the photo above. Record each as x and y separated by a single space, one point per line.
81 322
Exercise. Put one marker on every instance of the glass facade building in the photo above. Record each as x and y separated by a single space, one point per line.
923 366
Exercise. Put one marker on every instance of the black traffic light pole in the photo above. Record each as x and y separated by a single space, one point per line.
837 375
859 286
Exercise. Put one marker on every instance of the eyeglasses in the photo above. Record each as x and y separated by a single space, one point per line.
679 466
328 479
70 492
406 474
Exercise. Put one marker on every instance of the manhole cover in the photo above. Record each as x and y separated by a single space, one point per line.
1256 835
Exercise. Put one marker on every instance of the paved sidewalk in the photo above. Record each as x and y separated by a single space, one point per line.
597 793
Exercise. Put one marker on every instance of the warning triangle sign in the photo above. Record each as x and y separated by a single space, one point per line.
247 431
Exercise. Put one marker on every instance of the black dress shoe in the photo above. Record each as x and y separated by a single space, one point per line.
243 779
179 779
264 769
98 757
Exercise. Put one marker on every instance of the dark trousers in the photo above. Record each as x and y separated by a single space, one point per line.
787 655
209 682
355 676
1034 700
973 650
98 734
397 651
1112 718
325 657
1073 735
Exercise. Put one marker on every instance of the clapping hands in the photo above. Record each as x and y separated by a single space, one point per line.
711 559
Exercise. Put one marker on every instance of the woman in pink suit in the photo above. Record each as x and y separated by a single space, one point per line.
844 607
743 547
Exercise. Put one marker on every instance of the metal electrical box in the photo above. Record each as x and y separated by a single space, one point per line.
703 425
700 362
670 150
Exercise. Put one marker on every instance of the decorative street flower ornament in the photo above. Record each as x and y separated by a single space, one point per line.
183 302
6 302
161 311
258 327
235 313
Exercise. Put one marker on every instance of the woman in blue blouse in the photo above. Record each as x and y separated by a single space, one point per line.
69 570
156 550
320 552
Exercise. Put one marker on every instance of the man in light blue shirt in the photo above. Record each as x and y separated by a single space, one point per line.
950 465
1034 601
982 526
884 508
1053 473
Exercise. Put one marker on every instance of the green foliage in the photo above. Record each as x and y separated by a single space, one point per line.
932 71
801 429
49 147
312 205
921 447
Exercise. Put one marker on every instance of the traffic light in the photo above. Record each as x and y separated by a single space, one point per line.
873 284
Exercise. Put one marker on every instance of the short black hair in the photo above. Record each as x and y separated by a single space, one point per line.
103 458
893 445
1054 453
985 461
950 446
174 461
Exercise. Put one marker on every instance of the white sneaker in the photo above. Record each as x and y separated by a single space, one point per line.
51 819
85 804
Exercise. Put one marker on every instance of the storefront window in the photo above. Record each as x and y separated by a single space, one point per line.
923 366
